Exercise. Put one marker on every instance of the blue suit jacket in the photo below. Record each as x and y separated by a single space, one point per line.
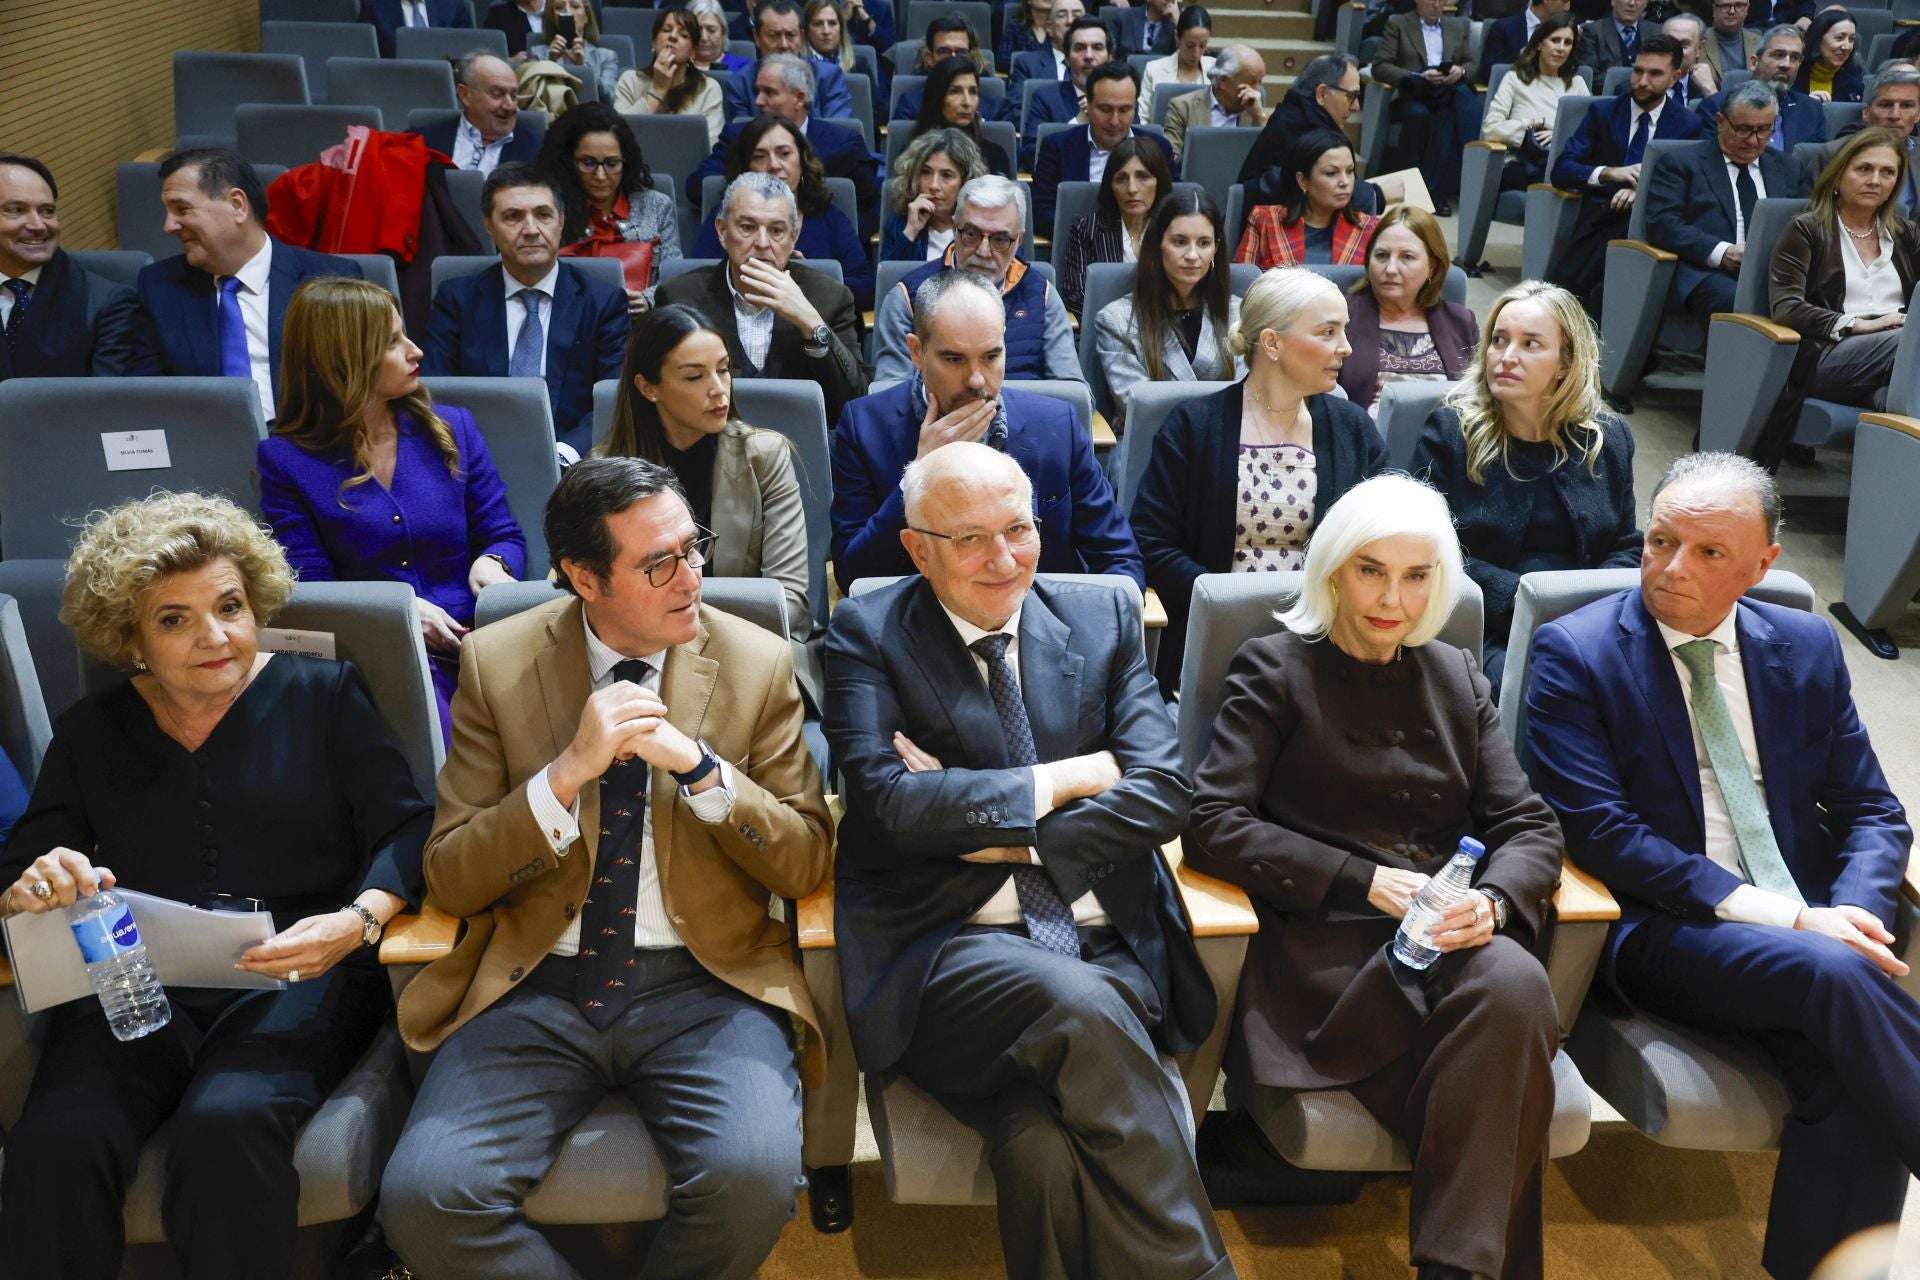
1081 531
1613 754
843 154
1057 103
1802 118
832 98
1691 205
387 17
1067 156
1034 64
1504 40
1602 138
522 148
178 332
586 340
894 661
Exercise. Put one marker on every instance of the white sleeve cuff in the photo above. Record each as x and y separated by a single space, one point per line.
1719 252
1042 792
715 803
558 823
1593 176
567 454
1749 904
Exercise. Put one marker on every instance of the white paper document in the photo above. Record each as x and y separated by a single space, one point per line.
189 948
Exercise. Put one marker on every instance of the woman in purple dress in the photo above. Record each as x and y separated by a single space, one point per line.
364 480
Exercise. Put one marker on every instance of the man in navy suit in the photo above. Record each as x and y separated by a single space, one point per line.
1149 28
1050 63
532 316
1700 199
1777 63
1065 102
1506 37
388 16
958 348
217 309
487 133
57 319
1601 162
1080 154
1707 763
777 29
1010 939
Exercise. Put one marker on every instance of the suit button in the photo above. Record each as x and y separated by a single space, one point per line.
1286 884
1398 737
516 975
396 519
1427 735
403 564
1434 798
567 911
1258 869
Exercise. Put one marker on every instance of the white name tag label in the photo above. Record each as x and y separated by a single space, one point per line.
135 450
309 644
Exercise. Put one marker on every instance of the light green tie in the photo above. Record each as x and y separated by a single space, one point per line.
1766 869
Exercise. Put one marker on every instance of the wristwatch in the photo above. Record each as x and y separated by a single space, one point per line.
370 926
819 342
708 763
1499 901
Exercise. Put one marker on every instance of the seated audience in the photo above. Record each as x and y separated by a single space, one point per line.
1426 60
1155 27
1029 33
947 36
532 315
1238 480
1777 63
1353 696
1176 324
777 28
583 55
1401 329
671 985
1523 110
593 160
959 352
674 85
1077 155
1323 96
183 779
59 320
875 29
1762 910
1049 63
365 480
1186 60
1616 39
1137 178
1893 103
710 52
952 101
216 309
923 194
1316 224
1694 81
388 16
780 319
1021 953
487 133
1539 475
676 408
989 223
828 37
1831 72
1730 44
1066 101
524 21
1231 99
1506 37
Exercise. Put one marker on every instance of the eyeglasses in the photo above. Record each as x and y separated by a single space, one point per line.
661 569
1353 95
1020 534
1747 132
592 164
971 237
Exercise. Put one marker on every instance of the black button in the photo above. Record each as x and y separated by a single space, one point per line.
567 911
206 807
1258 869
1434 798
1427 735
1398 737
1286 884
516 975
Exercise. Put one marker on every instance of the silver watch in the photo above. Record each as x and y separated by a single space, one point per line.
820 341
370 926
1499 901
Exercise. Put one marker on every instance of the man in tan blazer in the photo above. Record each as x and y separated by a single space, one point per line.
1425 59
1230 100
1729 34
627 799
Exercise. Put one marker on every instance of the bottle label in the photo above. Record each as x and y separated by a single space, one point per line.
100 940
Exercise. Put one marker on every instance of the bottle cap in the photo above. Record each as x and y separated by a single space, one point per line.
1472 848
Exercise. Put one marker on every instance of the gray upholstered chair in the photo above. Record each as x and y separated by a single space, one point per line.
393 86
1637 309
207 86
25 729
425 44
294 133
1211 157
1152 402
1549 211
674 144
378 268
1882 570
860 92
1404 410
317 40
515 418
35 587
122 266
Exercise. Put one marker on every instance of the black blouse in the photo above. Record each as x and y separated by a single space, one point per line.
299 797
695 469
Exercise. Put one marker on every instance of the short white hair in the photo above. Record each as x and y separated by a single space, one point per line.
1386 506
991 191
963 459
764 185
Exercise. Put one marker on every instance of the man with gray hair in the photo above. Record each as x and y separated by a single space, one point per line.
779 318
1892 102
778 27
1693 81
989 222
1323 95
959 351
1010 938
1777 63
1703 752
1231 99
487 133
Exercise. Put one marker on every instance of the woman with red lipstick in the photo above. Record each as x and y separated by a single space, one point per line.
1538 472
1317 224
364 480
676 408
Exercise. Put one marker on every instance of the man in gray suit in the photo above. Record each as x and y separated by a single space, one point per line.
1230 100
1425 59
1892 102
1614 40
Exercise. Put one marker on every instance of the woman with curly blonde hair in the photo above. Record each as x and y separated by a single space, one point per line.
1538 472
216 773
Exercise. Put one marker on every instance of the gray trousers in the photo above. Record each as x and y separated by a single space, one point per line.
1052 1058
710 1070
1856 370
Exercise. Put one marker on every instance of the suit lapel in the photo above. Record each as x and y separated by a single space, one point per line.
490 322
1721 184
687 679
568 300
566 682
1049 680
283 277
955 681
199 323
1767 657
1645 651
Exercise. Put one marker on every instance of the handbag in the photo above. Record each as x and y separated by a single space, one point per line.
636 257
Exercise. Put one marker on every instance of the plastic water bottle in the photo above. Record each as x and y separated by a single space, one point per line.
130 993
1413 945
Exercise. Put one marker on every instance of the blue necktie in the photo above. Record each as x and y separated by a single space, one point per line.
21 291
1629 41
1049 921
525 361
234 360
1779 140
1637 146
605 961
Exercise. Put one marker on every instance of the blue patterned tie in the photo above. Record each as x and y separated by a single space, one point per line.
525 361
605 962
21 291
1049 921
1637 145
235 362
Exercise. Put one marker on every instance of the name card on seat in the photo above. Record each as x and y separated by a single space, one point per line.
136 450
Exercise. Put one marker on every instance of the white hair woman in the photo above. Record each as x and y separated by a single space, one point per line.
1351 754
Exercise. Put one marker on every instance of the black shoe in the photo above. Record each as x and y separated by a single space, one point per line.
830 1194
1441 209
1239 1167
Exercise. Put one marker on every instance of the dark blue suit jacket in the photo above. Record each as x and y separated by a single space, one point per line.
1132 33
77 325
1504 40
586 340
178 332
901 892
1602 138
1034 64
1066 157
1613 754
388 17
1802 118
843 154
1691 205
522 148
832 99
1057 103
1081 531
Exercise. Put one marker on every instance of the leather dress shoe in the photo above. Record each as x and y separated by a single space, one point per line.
830 1197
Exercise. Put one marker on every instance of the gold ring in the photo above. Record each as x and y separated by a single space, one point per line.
293 975
43 891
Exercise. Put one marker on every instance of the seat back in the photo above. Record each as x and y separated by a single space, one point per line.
1152 402
671 144
1454 289
25 729
450 44
1616 82
274 133
207 86
757 600
637 24
1236 216
396 87
1879 52
1106 282
860 93
1659 151
377 268
1810 158
314 42
1163 96
122 266
35 586
1404 410
902 86
798 410
1770 219
515 417
1212 156
451 266
463 188
1840 115
906 54
1566 118
625 50
1230 609
1074 394
311 12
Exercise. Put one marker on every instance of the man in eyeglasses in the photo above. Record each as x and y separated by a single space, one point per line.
1731 44
989 224
615 866
487 133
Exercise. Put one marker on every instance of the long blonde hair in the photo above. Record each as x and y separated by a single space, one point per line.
844 55
1573 410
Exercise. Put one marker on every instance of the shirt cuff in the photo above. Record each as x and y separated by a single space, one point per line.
567 453
715 803
1719 252
1593 176
1748 904
559 823
1042 792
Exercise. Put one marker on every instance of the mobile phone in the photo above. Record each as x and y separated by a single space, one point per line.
1445 68
563 27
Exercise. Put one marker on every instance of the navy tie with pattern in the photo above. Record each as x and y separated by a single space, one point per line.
1637 145
21 291
1049 921
605 962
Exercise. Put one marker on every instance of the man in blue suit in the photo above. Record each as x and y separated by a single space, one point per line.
1707 763
1601 162
777 29
1065 101
487 133
388 16
217 309
1777 63
57 319
1506 37
1048 63
1010 940
1148 28
532 316
1080 155
958 348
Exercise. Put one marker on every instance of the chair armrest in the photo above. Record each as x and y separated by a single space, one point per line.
867 318
1552 190
1215 908
813 914
1103 437
1481 144
419 939
1153 614
1583 900
1641 246
1766 328
6 972
1892 422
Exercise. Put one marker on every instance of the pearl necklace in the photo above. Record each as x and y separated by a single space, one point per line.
1871 231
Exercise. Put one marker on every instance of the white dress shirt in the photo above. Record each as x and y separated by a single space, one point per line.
414 12
1004 906
471 151
254 277
1096 158
6 295
1533 20
1434 37
1059 64
1634 115
755 325
1873 288
1748 904
1739 220
520 297
560 824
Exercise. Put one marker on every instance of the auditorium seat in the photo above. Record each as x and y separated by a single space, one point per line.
207 86
314 42
1882 572
293 135
446 44
1482 202
25 728
393 86
1550 211
122 266
672 144
1402 415
1212 156
35 586
515 417
1638 309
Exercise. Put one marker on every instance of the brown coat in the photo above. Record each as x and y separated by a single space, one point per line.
1322 769
1807 279
523 683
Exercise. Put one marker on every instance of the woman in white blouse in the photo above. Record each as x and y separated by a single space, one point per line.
672 84
1187 64
1522 111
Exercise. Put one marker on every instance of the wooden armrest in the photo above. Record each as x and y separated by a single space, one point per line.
1906 22
1641 246
1153 613
6 972
153 155
1909 426
813 921
1103 437
419 939
1581 899
1552 190
1766 328
1215 908
1484 145
1909 884
866 318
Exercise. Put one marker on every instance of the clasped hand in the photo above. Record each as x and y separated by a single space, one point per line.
1859 929
1075 778
620 722
1468 923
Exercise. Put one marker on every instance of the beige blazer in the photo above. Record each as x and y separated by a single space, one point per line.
634 95
1193 111
523 683
761 527
1710 53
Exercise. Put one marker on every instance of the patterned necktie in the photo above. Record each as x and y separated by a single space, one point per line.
235 362
1629 41
1049 921
1748 195
525 361
605 961
1637 146
21 291
1759 851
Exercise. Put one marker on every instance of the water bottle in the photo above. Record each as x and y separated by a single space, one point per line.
1413 945
130 993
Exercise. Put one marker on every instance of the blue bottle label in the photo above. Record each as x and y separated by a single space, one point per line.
100 941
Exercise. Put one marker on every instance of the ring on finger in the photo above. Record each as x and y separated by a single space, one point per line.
293 975
43 891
